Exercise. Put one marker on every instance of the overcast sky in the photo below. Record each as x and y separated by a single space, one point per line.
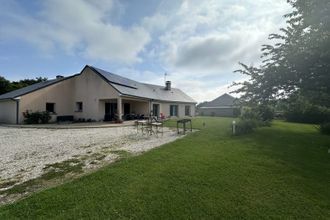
198 43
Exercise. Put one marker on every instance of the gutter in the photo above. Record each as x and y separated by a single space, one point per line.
159 100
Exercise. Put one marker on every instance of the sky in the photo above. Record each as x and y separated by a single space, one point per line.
197 43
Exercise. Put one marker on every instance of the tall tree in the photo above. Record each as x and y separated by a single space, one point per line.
7 86
297 62
4 85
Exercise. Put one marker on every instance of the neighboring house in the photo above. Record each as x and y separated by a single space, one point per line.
224 106
95 94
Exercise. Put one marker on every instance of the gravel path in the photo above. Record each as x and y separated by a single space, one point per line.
25 152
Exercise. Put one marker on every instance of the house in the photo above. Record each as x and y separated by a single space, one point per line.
95 94
223 106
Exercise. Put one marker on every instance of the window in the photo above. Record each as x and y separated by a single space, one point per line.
79 106
173 110
50 107
187 110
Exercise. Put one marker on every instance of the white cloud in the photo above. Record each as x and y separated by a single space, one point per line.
207 39
199 43
79 27
210 37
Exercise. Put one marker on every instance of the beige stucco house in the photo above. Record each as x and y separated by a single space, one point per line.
95 94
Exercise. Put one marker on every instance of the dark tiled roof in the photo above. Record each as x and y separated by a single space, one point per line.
136 89
224 100
31 88
123 85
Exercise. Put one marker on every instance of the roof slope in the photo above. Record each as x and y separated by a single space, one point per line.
133 88
31 88
123 85
224 100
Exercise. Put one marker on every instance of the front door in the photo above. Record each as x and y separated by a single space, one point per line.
127 108
155 110
110 111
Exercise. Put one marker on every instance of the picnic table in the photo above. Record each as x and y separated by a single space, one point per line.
184 123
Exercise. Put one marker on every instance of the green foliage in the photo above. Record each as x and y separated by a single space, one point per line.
275 172
4 85
260 113
265 112
325 128
301 110
7 86
36 117
246 126
251 118
236 112
248 113
298 60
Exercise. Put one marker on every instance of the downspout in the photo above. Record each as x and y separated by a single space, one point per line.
17 109
17 112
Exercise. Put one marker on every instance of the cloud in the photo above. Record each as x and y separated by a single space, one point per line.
199 43
208 38
78 27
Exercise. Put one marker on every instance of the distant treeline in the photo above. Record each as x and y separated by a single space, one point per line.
8 86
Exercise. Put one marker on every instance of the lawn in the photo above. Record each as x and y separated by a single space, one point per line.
281 171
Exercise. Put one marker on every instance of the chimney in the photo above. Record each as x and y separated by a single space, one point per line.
59 77
168 85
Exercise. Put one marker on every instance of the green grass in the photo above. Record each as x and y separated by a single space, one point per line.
281 171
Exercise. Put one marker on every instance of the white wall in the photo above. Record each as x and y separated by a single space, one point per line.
8 112
137 107
87 88
60 93
92 90
165 109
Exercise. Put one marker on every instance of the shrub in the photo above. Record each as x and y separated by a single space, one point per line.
265 112
249 114
260 113
325 128
45 117
36 117
236 112
246 126
307 114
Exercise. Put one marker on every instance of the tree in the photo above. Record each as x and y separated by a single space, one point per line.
7 86
4 85
298 62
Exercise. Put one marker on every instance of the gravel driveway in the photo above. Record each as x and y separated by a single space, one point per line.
25 152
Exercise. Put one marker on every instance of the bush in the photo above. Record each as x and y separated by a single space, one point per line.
246 126
236 112
260 113
251 118
325 128
36 117
265 112
307 114
249 114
